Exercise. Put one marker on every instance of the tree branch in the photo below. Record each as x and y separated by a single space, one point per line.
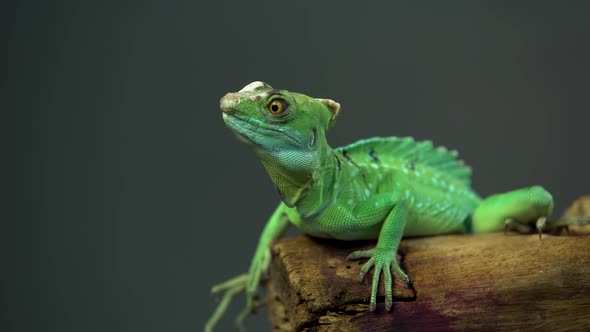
460 282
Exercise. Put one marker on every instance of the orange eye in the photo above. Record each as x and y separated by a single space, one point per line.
277 107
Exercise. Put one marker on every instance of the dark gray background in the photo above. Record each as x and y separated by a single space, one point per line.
128 198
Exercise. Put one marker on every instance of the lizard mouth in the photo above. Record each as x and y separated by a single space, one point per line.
250 131
239 128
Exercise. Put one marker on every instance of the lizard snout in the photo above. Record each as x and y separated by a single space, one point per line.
229 102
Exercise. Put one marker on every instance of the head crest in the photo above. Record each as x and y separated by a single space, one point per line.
256 85
333 106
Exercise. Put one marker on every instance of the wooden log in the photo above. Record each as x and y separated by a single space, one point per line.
460 282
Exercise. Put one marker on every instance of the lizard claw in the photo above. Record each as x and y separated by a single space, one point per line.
540 226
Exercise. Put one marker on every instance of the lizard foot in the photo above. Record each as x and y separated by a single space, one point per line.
382 260
556 226
231 287
251 307
248 283
543 225
525 228
515 225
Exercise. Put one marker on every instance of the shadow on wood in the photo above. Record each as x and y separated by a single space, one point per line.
460 282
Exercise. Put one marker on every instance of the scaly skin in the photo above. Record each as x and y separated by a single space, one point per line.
380 188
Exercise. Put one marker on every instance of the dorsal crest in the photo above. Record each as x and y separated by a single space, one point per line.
394 149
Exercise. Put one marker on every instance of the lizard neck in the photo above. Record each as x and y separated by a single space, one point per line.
297 173
321 188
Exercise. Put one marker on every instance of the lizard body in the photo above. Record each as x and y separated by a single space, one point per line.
379 188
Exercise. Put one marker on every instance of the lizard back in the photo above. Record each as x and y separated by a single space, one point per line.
432 180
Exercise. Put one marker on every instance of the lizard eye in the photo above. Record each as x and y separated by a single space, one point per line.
277 107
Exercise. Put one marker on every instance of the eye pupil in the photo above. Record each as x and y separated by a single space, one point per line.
275 108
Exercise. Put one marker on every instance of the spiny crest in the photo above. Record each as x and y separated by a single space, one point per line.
388 149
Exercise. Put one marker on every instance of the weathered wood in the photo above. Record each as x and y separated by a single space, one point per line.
460 282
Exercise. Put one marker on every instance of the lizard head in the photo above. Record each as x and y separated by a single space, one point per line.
285 129
286 126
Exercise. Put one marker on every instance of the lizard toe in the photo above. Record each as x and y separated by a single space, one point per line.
365 269
359 254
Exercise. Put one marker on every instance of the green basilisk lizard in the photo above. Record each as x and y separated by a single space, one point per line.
378 188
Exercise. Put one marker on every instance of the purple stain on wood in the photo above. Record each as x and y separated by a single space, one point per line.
404 316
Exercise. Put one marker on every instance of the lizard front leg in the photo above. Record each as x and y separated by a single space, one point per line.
383 256
274 229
